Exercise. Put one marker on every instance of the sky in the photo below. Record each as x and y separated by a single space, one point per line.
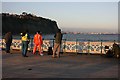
71 16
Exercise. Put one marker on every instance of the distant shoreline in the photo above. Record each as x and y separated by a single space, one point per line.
91 33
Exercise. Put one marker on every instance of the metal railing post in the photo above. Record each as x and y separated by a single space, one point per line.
76 46
31 43
101 47
53 43
88 46
64 46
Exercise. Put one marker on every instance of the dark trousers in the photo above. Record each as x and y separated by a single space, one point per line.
24 47
8 47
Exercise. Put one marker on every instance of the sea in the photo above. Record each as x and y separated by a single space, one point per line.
79 37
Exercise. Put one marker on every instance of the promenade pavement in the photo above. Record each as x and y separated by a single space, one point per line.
69 65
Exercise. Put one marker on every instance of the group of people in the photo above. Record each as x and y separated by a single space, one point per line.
37 40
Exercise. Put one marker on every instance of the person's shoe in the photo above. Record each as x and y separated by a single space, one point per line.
41 54
33 53
53 56
58 56
25 56
117 56
7 51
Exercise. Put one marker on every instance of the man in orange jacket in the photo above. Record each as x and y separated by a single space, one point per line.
37 43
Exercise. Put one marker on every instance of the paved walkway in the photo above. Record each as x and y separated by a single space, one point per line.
67 66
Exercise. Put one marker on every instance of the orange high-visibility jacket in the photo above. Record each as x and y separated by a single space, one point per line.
38 39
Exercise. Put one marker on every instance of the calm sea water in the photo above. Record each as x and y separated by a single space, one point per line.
86 37
81 37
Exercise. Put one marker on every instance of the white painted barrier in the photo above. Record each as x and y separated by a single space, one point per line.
96 47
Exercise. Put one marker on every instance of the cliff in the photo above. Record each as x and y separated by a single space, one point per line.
19 23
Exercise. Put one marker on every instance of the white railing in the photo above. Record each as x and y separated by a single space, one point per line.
96 47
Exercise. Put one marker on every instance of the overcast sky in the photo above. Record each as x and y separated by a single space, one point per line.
72 16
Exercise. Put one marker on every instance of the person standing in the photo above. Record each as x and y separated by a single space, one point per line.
8 41
25 41
116 50
57 44
38 43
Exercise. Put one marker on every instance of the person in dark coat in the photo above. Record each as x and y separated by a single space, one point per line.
57 44
8 41
116 50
